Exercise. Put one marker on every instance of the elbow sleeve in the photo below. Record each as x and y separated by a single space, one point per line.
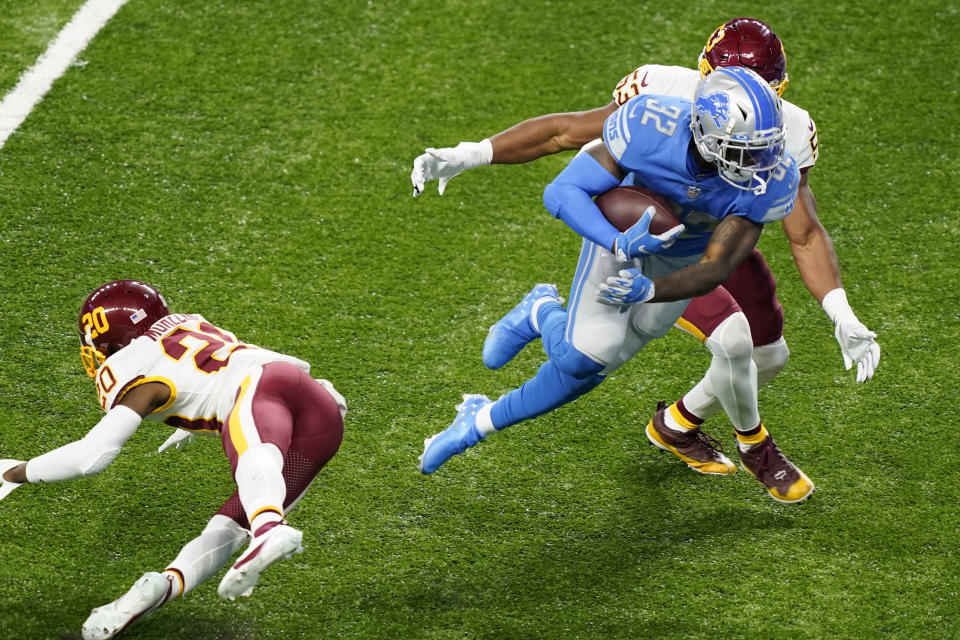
75 460
570 198
101 463
87 456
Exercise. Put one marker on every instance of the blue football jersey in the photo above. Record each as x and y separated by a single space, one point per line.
650 137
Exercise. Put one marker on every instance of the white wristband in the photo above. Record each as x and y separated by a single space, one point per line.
478 153
835 304
486 151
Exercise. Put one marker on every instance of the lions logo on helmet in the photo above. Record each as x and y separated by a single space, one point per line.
716 105
738 125
113 315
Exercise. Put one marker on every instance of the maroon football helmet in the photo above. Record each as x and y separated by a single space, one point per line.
113 315
746 42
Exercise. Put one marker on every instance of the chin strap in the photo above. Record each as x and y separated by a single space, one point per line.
761 188
91 356
88 337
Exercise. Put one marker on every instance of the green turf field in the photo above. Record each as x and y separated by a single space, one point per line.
252 160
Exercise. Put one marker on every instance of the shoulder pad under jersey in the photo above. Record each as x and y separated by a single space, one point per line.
659 79
801 141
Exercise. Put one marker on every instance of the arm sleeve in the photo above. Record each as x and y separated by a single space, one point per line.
89 455
570 198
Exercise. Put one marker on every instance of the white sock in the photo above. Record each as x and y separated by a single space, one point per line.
670 419
745 442
484 422
206 554
535 310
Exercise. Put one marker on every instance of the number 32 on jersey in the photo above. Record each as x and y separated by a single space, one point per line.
663 118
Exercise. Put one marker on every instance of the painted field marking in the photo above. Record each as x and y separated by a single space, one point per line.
37 80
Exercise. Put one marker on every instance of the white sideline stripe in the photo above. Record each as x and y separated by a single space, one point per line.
37 80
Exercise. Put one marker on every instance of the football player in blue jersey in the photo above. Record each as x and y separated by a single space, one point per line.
743 317
721 160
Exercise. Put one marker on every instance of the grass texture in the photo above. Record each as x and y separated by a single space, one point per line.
251 159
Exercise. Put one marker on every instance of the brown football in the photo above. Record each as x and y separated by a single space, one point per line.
623 206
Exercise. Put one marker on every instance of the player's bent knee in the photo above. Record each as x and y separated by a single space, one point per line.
262 452
732 339
770 359
577 365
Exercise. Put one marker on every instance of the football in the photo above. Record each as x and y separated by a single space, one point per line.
623 206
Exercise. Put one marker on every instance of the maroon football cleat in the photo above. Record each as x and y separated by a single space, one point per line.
783 480
701 452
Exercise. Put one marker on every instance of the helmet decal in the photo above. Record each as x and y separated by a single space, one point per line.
737 124
715 105
115 314
716 37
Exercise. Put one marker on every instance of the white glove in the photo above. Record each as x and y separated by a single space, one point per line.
444 164
178 440
857 343
341 401
5 486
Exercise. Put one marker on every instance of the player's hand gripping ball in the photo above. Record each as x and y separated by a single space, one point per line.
625 209
624 206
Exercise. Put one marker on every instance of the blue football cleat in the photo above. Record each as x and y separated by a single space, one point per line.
461 433
512 332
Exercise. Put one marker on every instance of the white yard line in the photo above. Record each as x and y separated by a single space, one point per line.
37 80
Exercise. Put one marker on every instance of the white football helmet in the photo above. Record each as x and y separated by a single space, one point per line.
737 123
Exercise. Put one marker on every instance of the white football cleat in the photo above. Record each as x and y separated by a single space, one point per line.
279 543
146 594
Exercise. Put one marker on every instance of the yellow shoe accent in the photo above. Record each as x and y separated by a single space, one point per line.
709 459
783 480
798 491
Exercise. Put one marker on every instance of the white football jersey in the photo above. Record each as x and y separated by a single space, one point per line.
201 364
683 82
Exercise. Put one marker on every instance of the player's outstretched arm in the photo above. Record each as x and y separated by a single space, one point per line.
96 450
523 142
817 263
88 456
549 134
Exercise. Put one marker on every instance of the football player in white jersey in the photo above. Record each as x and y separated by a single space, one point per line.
719 160
746 306
278 427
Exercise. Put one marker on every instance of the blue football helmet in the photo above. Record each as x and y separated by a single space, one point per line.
738 125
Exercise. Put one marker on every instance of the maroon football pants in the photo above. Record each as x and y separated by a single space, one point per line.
293 412
751 289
